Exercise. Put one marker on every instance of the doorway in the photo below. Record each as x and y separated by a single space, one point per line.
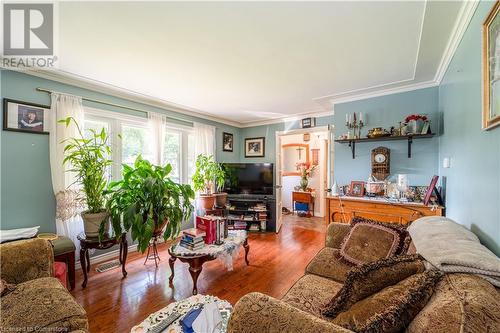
303 151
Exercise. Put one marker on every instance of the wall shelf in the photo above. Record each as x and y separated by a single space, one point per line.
409 138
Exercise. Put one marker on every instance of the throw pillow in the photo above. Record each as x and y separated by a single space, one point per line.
368 279
392 309
370 240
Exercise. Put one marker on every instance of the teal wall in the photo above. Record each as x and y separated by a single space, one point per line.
473 181
269 132
382 111
387 111
26 189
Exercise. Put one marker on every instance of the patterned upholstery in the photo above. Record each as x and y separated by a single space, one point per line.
256 312
328 263
39 302
461 303
311 293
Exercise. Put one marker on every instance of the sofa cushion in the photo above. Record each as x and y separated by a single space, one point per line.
461 303
311 292
328 263
370 240
42 303
393 308
368 279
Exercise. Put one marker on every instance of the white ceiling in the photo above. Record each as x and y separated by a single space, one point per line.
252 61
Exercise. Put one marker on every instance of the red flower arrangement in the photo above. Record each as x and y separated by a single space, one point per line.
415 117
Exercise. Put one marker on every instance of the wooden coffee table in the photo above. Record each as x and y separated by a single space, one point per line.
196 259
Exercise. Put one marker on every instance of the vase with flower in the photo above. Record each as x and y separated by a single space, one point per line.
305 170
414 123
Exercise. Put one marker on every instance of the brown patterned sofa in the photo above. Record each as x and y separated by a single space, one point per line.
35 301
461 302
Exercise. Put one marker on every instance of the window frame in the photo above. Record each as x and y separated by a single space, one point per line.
116 121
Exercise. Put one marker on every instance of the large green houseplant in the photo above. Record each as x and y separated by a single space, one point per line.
146 200
207 174
88 158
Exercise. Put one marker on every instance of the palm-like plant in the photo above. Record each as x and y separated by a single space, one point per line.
146 199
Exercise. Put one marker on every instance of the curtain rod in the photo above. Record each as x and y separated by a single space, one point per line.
115 105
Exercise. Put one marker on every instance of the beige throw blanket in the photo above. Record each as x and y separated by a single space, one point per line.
453 248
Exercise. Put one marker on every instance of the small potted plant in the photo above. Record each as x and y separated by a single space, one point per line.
146 201
88 157
305 169
207 174
414 123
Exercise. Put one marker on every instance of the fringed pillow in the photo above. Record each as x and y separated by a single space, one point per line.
366 280
392 309
370 240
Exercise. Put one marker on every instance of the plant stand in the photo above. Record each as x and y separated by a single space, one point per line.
154 249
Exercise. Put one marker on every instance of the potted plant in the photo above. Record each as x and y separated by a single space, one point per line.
207 174
88 157
305 169
146 200
414 123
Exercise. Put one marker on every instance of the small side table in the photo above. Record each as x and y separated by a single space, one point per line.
64 251
93 243
303 197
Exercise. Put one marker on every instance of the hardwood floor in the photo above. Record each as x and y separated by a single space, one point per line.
114 304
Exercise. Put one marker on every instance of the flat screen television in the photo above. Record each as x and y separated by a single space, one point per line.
249 178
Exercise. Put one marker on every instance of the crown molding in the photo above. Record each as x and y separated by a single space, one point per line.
464 17
108 89
384 92
286 119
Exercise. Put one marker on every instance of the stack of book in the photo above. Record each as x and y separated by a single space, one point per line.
192 239
254 227
239 225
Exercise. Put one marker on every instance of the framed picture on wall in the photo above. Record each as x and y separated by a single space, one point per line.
491 69
20 116
227 141
255 147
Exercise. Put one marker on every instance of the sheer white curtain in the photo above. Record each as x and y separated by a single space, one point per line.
157 124
204 138
68 220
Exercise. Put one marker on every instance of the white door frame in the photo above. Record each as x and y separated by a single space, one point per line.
329 171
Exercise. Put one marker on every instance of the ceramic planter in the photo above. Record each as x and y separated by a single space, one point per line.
206 201
92 222
220 199
415 126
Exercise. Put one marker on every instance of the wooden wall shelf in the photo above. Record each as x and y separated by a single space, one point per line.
409 138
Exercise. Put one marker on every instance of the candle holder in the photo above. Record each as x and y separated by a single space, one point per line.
355 125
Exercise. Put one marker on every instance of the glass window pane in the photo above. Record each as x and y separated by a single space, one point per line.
172 153
135 141
190 158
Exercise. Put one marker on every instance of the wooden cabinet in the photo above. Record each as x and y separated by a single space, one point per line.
343 209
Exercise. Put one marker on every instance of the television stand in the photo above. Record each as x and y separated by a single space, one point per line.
251 213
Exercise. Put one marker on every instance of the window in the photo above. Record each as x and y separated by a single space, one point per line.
172 153
135 142
130 137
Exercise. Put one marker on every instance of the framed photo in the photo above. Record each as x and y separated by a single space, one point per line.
227 141
255 147
491 71
357 189
308 122
25 117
